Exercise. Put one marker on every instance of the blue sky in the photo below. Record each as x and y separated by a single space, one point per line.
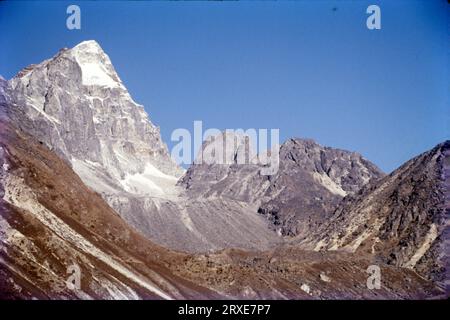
310 68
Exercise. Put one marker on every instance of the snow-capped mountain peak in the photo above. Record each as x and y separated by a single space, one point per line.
95 65
76 103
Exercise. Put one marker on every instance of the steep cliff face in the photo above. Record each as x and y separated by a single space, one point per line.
310 182
77 104
402 218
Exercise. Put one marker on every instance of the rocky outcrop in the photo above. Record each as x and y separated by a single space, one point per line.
310 182
402 219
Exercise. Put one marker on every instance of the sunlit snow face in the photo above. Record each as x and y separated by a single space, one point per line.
151 182
88 54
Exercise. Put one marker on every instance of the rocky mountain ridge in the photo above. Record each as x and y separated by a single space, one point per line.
403 218
50 221
310 182
76 104
86 177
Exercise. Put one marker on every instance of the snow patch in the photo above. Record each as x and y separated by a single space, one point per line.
429 238
94 74
306 288
329 184
324 277
90 174
96 67
150 182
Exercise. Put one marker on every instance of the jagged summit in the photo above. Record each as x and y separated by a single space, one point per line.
93 63
309 183
303 141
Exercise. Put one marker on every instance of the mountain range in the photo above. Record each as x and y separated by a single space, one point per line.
86 179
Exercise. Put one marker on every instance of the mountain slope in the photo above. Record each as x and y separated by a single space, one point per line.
402 219
49 221
56 176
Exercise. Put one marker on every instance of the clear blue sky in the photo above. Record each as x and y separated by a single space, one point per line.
310 68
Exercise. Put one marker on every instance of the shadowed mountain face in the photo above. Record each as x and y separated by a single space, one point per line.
402 219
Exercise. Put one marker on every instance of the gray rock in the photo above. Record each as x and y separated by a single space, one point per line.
309 184
76 104
402 219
